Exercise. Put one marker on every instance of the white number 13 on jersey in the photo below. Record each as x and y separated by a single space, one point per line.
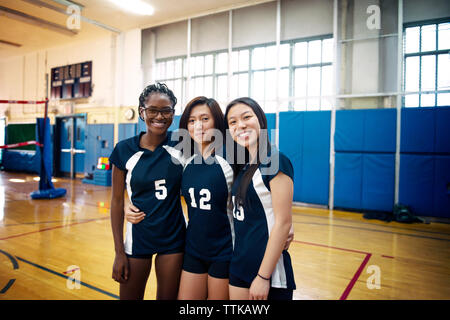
160 189
238 212
205 196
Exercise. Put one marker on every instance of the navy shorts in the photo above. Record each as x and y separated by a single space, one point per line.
274 293
149 256
216 269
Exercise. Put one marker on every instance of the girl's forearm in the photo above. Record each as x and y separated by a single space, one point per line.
117 217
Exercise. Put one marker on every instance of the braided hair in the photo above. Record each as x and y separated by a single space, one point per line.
156 88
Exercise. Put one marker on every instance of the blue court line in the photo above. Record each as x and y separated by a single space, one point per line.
15 266
13 261
8 285
66 277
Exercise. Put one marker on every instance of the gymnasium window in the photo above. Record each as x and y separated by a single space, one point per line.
172 72
427 64
305 78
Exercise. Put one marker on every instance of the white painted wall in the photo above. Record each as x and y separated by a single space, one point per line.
116 73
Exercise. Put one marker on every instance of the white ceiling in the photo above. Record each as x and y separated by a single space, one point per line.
32 37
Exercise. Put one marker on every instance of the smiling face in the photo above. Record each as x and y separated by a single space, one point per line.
243 124
200 123
157 124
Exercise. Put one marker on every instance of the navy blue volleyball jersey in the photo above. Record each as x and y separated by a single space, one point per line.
206 187
153 180
253 223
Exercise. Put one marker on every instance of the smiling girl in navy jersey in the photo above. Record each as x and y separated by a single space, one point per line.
145 166
262 194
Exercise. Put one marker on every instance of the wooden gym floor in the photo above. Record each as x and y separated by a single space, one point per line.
335 254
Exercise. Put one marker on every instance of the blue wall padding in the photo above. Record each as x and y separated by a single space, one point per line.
380 130
316 157
349 132
305 139
417 183
141 126
24 161
442 130
291 144
96 134
371 130
424 161
348 180
21 161
418 130
378 182
271 125
175 123
442 186
127 130
364 181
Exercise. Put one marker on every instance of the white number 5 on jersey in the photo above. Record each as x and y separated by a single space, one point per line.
160 189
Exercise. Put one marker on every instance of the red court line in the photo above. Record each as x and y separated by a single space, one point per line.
327 246
47 229
355 278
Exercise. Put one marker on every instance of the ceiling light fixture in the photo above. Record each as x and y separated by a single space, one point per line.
135 6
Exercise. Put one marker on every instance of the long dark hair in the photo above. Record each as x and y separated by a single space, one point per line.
216 112
241 194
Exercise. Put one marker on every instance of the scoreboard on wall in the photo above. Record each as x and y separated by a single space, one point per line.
72 81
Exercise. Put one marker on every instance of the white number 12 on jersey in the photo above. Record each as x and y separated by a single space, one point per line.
205 196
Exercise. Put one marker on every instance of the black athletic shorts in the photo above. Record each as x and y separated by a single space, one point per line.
216 269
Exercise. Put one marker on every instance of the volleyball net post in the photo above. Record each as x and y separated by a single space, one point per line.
43 149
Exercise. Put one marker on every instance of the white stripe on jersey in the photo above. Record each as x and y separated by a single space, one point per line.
177 154
131 163
279 274
187 161
228 173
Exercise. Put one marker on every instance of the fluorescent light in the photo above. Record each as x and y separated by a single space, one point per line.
17 180
135 6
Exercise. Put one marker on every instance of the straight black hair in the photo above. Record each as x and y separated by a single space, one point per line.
216 112
241 195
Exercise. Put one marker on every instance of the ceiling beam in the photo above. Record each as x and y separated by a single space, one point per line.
68 3
10 43
40 3
23 17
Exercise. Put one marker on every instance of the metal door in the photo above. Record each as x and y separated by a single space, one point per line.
72 148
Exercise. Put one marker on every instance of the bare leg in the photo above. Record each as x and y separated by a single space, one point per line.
217 288
134 288
168 271
193 286
237 293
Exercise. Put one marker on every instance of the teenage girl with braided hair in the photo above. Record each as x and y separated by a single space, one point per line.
145 166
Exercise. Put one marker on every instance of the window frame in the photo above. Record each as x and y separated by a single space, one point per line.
291 67
421 54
